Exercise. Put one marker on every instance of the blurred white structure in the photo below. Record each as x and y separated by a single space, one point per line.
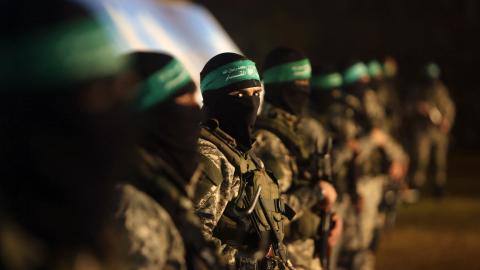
186 30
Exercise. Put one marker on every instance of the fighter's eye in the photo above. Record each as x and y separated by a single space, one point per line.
239 95
256 94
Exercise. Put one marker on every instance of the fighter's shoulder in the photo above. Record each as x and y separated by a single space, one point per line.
267 141
352 102
136 211
139 205
308 126
439 86
215 163
210 151
266 135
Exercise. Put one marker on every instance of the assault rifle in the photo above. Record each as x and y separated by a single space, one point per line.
321 241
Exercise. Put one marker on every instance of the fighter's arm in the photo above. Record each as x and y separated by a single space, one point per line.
216 187
276 158
374 110
446 103
151 245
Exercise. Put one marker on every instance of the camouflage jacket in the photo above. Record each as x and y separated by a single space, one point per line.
437 97
353 118
225 191
211 204
156 213
339 119
154 240
390 101
281 160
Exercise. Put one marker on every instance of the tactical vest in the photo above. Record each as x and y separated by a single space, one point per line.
373 165
283 125
161 182
264 225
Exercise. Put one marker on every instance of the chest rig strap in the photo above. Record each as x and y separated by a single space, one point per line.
277 122
258 207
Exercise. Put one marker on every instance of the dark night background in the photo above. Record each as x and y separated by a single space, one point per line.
445 31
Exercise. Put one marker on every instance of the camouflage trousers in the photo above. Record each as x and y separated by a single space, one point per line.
302 255
359 227
340 208
425 142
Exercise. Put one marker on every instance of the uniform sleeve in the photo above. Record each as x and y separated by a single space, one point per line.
152 238
277 159
394 150
445 102
312 132
374 109
216 194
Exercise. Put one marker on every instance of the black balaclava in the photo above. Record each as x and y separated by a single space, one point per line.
236 115
168 129
376 74
429 73
359 86
60 152
321 97
288 96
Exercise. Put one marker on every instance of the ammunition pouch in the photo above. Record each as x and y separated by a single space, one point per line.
238 226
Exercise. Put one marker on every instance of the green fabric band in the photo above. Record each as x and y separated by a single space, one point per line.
327 81
355 73
433 71
238 71
162 84
75 51
298 70
374 69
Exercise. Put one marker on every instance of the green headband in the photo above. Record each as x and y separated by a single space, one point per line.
432 70
75 51
327 81
374 68
355 73
162 84
238 71
298 70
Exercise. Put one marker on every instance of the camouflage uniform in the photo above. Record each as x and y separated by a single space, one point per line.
428 133
338 117
389 100
210 206
284 163
221 189
155 241
21 250
371 179
156 214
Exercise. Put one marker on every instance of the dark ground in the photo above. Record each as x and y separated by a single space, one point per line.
441 234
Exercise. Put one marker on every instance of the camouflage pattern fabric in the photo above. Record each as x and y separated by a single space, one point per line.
278 159
428 131
155 242
212 204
